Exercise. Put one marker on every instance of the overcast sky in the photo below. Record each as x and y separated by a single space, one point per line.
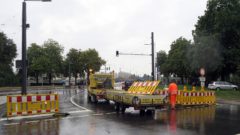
106 25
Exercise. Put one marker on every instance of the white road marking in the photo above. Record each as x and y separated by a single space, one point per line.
34 121
49 119
71 99
98 114
3 119
110 113
77 116
69 117
22 117
10 124
79 111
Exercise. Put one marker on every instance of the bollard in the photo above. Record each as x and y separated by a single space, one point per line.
185 88
193 88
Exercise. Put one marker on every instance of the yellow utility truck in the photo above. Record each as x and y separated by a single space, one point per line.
99 84
143 96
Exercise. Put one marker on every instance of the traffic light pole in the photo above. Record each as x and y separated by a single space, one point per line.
24 56
152 54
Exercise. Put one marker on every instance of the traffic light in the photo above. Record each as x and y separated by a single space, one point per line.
117 53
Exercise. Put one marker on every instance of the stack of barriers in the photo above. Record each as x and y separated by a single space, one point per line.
193 97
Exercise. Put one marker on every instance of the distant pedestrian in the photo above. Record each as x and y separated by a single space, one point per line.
172 90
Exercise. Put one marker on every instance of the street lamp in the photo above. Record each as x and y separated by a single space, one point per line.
24 42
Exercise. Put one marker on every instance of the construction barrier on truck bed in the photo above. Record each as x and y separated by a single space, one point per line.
32 104
192 97
147 87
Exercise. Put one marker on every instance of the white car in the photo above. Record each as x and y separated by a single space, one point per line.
217 85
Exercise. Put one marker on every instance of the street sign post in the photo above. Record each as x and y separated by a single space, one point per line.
202 78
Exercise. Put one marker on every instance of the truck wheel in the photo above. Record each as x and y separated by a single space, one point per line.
108 101
142 112
89 98
122 108
149 112
94 99
116 107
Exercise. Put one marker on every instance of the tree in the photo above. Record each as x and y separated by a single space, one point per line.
53 58
36 60
162 62
8 52
222 19
91 60
206 53
74 63
177 62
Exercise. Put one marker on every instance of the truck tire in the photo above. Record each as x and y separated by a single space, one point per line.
94 99
89 98
108 101
122 108
142 112
116 107
149 112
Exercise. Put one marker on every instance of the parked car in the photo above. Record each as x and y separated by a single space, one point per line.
217 85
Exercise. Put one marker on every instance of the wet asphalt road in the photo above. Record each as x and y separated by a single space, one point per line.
101 119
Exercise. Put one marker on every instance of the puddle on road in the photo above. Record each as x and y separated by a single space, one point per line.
195 121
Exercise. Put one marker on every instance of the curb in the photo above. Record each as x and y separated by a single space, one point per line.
230 102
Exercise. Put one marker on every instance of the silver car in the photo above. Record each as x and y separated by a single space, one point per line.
217 85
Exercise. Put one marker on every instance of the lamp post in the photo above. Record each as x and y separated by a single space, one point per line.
24 42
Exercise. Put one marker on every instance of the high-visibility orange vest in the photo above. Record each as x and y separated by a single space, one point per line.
172 88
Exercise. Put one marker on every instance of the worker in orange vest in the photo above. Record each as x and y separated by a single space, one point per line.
172 91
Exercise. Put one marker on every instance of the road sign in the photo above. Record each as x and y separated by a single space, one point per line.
19 63
202 79
202 84
202 71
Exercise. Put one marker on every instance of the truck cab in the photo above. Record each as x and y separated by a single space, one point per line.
99 83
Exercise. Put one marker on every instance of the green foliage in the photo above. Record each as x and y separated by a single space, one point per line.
206 53
74 63
177 61
7 77
7 53
45 59
92 60
161 62
222 19
8 50
36 60
52 56
228 95
48 59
